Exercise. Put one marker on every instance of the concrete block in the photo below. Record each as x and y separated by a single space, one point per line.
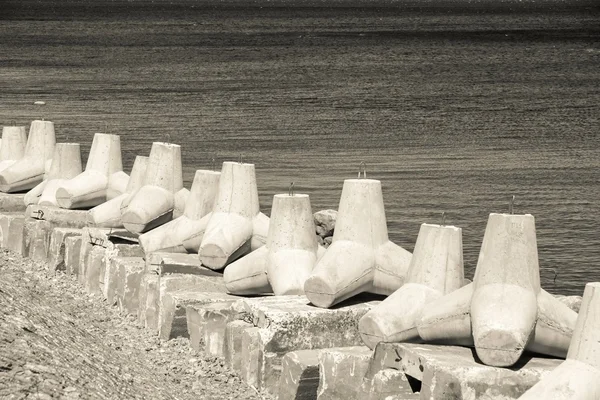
180 263
341 372
72 249
207 322
233 343
299 375
56 254
452 372
11 231
94 266
131 270
114 277
12 202
36 238
193 289
114 250
389 384
148 301
15 235
58 216
290 323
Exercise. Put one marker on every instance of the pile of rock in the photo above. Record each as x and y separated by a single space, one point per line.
325 223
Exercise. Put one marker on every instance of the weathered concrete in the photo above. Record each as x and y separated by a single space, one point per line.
29 170
207 321
361 258
232 346
14 139
115 277
577 378
573 302
299 375
389 384
94 267
104 168
156 287
66 164
341 372
108 214
57 216
184 234
179 263
236 226
287 259
12 202
130 272
72 249
56 257
504 310
148 300
96 237
288 323
451 372
154 203
173 302
11 231
436 268
36 238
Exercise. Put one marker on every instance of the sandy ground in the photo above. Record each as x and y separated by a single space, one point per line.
56 341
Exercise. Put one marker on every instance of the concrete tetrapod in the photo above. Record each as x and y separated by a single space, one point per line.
184 234
14 139
154 203
504 310
236 225
289 256
436 268
66 164
108 214
104 169
361 258
28 171
578 377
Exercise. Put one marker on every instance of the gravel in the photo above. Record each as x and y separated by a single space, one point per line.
58 342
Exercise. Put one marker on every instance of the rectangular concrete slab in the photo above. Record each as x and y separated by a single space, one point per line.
178 291
180 263
94 265
12 202
11 231
341 372
113 251
36 238
299 375
59 216
290 323
453 372
56 253
207 322
233 343
131 270
72 249
148 301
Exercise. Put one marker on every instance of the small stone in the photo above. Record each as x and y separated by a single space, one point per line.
327 241
326 219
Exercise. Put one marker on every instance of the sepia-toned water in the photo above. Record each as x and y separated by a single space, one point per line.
454 111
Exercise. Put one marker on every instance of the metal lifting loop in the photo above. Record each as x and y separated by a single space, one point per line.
214 164
512 205
443 218
39 214
291 189
362 167
241 159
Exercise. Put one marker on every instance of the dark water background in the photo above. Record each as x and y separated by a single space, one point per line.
453 110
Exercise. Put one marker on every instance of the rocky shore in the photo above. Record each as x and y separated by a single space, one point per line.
58 342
